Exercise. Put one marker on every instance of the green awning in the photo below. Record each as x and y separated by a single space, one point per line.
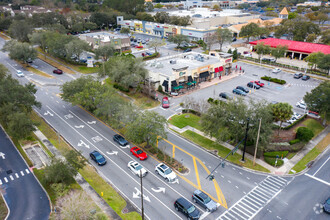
176 87
189 83
180 87
194 82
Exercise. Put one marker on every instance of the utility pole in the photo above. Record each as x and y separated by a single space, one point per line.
142 209
246 133
255 151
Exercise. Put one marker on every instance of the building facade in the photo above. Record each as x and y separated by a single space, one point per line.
98 39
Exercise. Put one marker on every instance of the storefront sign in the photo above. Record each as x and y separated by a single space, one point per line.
228 60
204 69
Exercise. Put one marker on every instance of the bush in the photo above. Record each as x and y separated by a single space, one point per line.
121 88
160 88
275 153
191 111
294 141
210 100
304 134
275 80
154 55
271 161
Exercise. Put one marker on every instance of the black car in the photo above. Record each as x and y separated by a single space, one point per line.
244 89
98 158
298 75
188 209
326 206
305 77
253 85
225 95
187 50
120 140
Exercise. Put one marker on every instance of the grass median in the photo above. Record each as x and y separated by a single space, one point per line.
183 120
3 208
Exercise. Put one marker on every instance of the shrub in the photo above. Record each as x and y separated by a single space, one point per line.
229 51
294 141
210 100
191 111
160 88
275 80
160 156
305 134
121 88
275 153
271 161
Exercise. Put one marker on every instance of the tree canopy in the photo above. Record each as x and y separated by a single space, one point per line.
20 51
178 39
249 30
282 112
223 35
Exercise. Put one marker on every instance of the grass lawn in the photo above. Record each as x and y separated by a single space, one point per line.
222 151
183 120
290 155
314 125
301 165
3 209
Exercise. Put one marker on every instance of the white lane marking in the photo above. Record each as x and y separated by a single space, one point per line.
222 176
241 173
269 211
22 173
278 217
229 181
318 179
27 171
17 176
58 102
233 168
247 177
6 180
321 166
63 106
236 187
11 177
244 192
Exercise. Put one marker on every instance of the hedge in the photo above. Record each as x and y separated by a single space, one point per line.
154 55
121 88
271 161
275 153
294 141
275 80
192 112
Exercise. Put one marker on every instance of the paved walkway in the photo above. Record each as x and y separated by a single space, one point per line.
287 166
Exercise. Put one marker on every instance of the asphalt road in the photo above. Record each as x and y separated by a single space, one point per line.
23 194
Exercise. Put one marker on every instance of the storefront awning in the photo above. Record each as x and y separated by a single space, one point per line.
216 70
220 68
174 83
204 74
165 83
189 83
190 79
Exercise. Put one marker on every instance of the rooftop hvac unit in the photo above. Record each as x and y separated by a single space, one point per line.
172 61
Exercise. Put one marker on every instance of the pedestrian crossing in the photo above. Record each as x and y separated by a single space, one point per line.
13 176
302 85
249 206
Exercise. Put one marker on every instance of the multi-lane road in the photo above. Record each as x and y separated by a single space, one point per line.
240 193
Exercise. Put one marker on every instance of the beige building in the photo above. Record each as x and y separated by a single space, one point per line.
284 14
236 29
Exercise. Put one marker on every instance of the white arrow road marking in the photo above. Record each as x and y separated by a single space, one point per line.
138 195
79 126
48 113
2 155
81 143
160 189
112 153
68 115
127 146
97 139
175 181
91 122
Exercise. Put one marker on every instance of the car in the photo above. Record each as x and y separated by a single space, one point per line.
58 71
244 89
120 140
188 209
225 95
144 42
305 77
247 55
246 52
298 75
326 205
148 53
301 104
139 46
29 61
265 59
19 73
313 114
258 83
239 92
98 158
166 172
291 120
165 102
204 200
187 50
139 153
253 85
296 115
137 168
276 70
234 39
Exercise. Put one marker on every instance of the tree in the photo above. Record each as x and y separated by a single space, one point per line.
292 15
325 37
322 18
262 49
282 112
279 51
217 8
75 47
178 39
143 16
125 30
297 29
319 99
127 6
59 172
78 27
20 51
223 35
155 43
324 63
263 32
311 38
105 52
20 30
147 127
271 14
75 159
102 19
249 30
149 6
313 59
90 26
235 54
162 17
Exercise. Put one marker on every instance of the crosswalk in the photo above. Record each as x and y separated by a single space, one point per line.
13 176
302 85
249 206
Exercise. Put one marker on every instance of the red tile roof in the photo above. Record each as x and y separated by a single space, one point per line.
296 46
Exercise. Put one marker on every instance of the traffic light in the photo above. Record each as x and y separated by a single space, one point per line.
211 177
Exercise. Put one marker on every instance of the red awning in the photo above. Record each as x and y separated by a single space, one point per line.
220 68
216 70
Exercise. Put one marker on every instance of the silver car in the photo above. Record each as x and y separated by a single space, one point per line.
204 200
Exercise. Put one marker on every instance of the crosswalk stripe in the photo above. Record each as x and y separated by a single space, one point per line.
0 182
262 193
252 200
271 187
232 215
22 173
245 209
256 198
11 177
16 175
6 179
251 203
279 180
282 179
27 171
265 191
239 211
265 187
272 183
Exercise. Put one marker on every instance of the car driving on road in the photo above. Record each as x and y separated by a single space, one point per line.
139 153
58 71
298 75
166 172
19 73
188 209
165 102
276 70
120 140
204 200
98 158
137 168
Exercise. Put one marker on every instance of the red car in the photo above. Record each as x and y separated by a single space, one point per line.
139 153
165 102
58 71
139 47
259 83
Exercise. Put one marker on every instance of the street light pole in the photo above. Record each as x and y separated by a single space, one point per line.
142 208
246 133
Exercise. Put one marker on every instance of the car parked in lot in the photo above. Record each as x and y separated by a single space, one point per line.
253 85
313 114
120 140
261 84
225 95
301 104
139 153
244 89
326 205
265 59
276 70
137 168
166 172
239 92
19 73
188 209
204 200
247 55
165 102
57 71
298 75
98 158
187 50
305 77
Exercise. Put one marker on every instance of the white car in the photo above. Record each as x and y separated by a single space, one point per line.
137 168
293 119
276 70
19 73
301 104
247 55
296 115
166 172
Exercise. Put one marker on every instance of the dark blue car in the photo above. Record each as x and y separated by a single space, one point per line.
98 158
239 92
120 140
